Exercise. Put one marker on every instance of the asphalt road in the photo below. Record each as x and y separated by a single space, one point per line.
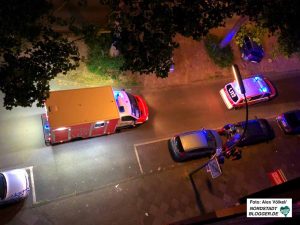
87 166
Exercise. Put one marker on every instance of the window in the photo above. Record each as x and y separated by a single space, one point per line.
178 144
134 105
2 186
127 118
255 97
211 140
99 124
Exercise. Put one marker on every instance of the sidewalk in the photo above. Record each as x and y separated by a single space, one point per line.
192 64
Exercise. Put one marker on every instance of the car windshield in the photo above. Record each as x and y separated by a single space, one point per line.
247 42
256 53
293 119
178 144
211 140
134 105
2 186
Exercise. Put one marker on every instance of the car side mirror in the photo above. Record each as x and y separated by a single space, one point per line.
121 109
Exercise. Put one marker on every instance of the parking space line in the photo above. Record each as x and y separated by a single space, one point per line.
30 168
145 143
138 159
151 142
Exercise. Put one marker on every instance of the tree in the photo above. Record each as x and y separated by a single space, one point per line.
145 36
31 52
146 29
280 17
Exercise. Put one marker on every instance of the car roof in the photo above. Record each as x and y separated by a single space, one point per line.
72 107
254 85
255 127
194 140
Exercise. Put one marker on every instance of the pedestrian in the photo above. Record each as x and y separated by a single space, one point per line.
237 154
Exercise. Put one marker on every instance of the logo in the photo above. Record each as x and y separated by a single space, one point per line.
285 210
269 207
232 93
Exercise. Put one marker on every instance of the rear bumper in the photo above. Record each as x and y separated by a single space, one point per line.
225 99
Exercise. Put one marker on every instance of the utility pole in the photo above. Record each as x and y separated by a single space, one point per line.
232 32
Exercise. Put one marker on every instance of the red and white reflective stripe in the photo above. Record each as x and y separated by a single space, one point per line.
277 177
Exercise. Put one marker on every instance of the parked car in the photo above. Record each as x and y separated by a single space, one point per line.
14 186
289 122
251 51
258 130
194 144
258 89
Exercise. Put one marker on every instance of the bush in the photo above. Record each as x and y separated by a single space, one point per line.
99 61
223 57
255 32
286 47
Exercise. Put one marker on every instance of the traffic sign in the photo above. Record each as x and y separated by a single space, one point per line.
214 168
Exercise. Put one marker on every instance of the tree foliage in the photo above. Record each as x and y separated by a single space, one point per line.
31 52
252 30
280 17
146 29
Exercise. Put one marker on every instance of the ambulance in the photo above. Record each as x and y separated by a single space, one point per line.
89 112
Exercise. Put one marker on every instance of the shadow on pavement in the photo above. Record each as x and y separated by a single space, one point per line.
8 212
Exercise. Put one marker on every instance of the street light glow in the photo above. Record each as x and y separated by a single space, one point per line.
238 78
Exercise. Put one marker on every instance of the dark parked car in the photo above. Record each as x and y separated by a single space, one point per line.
289 122
194 144
258 130
251 51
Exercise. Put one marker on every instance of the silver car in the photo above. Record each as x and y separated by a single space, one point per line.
14 186
194 144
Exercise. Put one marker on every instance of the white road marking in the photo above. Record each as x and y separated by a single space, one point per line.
151 142
138 158
145 143
30 168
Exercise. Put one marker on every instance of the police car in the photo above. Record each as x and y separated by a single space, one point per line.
258 89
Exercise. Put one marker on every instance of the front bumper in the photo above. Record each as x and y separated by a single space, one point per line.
225 99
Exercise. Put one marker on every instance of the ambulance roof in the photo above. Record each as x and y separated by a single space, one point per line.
78 106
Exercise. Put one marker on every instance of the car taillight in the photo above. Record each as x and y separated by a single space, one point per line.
182 153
